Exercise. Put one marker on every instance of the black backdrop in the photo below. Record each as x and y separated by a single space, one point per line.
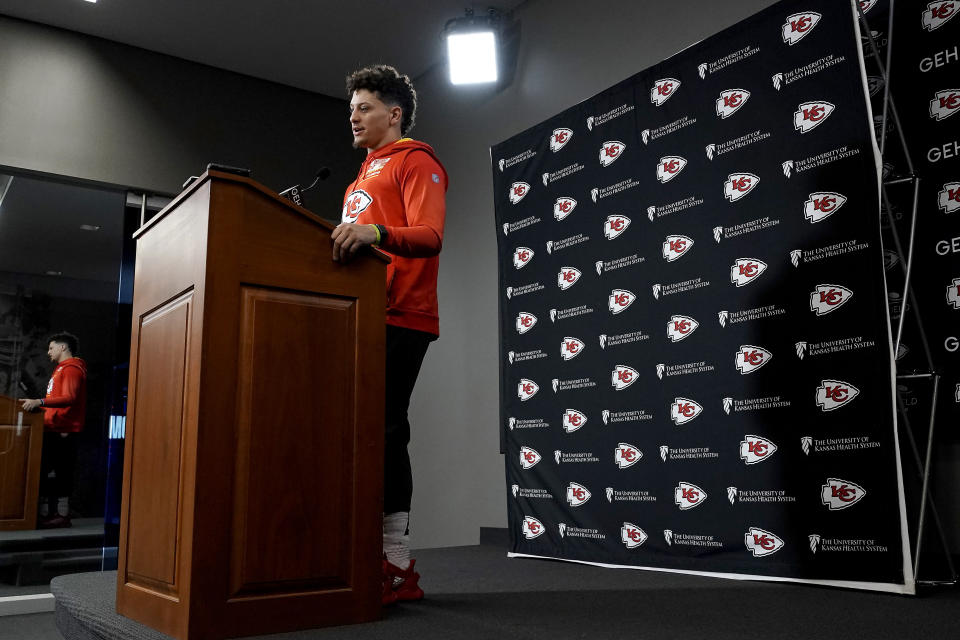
696 369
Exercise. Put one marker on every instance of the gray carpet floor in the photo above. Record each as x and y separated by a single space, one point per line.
477 592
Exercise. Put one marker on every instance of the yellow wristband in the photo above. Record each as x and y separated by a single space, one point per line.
376 230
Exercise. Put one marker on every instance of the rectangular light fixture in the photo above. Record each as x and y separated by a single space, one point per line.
472 57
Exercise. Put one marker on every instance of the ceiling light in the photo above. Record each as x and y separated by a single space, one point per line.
90 227
91 0
481 49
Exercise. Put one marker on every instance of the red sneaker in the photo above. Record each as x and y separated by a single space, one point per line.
55 521
405 582
389 596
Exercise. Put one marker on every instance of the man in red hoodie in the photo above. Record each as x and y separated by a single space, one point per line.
396 203
64 411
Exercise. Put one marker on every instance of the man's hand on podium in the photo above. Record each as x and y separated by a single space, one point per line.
348 238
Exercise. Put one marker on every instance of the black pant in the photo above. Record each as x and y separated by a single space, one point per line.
405 351
59 455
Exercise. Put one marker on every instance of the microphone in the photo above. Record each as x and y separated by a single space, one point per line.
294 192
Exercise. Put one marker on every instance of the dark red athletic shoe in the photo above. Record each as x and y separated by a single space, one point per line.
405 582
389 596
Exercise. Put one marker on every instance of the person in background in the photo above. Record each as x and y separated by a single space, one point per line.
396 203
64 412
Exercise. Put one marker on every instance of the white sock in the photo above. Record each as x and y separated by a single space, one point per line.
396 541
63 507
44 507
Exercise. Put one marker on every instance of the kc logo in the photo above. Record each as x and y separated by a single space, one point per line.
810 115
518 191
623 376
525 322
839 494
750 358
833 394
949 198
762 543
570 348
614 226
663 90
953 293
354 204
739 185
746 270
938 13
577 494
754 449
683 410
620 300
680 327
526 389
632 535
573 420
730 101
531 527
799 25
567 277
559 139
944 104
669 167
827 298
675 247
687 496
626 455
563 207
611 150
522 257
529 457
821 205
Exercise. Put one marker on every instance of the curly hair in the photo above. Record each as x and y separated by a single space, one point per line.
391 87
67 339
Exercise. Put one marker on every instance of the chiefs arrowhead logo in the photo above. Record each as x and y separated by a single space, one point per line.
675 247
529 457
683 410
577 494
670 167
938 13
944 104
526 389
573 420
567 277
559 139
626 455
750 358
525 322
739 185
531 528
754 449
563 207
623 376
839 494
614 226
799 25
762 543
522 257
570 348
730 102
949 198
354 204
688 496
632 535
833 394
746 270
827 298
611 150
663 90
822 205
680 327
518 191
810 115
620 300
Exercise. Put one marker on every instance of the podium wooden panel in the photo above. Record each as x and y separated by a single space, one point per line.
21 441
252 482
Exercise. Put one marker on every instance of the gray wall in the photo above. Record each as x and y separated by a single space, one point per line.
87 108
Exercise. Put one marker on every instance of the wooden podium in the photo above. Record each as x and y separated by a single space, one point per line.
252 480
21 440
